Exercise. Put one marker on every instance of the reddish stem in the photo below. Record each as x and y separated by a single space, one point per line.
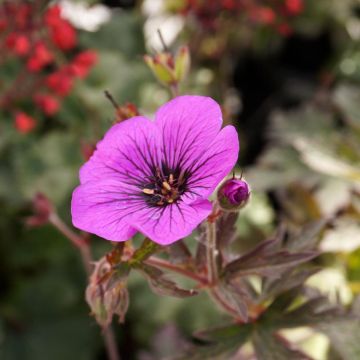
75 239
84 248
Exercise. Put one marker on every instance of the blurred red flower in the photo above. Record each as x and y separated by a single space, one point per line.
47 103
83 62
40 57
24 123
61 82
18 43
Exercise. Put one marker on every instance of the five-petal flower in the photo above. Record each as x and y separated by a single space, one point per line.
156 176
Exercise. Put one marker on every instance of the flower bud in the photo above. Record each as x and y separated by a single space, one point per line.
126 111
182 63
170 70
159 65
107 294
42 209
233 194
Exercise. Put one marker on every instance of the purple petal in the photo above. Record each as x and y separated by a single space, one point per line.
188 125
165 225
101 207
127 152
213 165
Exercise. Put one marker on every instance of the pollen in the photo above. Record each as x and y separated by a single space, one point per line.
166 185
148 191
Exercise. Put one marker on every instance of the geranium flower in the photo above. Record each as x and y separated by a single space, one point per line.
156 176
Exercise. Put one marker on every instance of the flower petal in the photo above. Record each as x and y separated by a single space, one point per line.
213 165
101 207
165 225
188 125
128 152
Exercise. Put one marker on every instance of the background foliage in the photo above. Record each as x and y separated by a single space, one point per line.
294 97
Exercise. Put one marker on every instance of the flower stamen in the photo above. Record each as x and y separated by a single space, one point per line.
166 185
164 189
148 191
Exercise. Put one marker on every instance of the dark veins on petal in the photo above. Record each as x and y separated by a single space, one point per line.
163 181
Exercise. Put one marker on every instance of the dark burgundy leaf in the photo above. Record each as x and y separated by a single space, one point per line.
269 346
180 253
161 285
259 262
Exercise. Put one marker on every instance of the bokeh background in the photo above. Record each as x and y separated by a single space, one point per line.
286 73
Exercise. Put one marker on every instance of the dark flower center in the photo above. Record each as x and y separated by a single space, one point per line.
165 187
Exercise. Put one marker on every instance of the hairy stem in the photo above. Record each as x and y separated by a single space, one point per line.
84 248
211 253
110 343
174 89
75 239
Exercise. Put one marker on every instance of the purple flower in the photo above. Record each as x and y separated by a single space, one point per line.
233 194
155 176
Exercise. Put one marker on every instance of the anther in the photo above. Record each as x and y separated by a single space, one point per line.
148 191
171 179
166 185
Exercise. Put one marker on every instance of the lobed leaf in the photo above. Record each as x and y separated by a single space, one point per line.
269 346
264 264
161 285
220 343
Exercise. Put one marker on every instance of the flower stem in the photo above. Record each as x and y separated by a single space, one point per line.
211 253
82 245
75 239
174 89
110 343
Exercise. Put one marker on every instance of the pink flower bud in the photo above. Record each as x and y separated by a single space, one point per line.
233 194
42 208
